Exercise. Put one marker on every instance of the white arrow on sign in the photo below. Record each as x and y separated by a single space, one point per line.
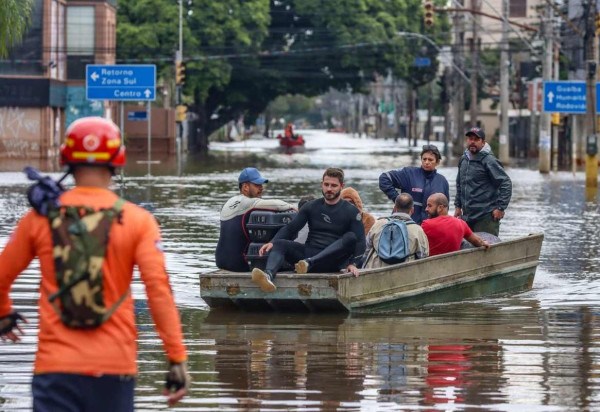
147 92
550 97
94 76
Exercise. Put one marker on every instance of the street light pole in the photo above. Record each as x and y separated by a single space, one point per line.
545 125
503 150
179 59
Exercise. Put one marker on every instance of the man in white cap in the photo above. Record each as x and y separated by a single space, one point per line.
233 242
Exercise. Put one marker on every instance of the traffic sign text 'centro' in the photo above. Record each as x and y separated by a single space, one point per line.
121 82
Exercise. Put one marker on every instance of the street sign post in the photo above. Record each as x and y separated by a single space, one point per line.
135 82
565 97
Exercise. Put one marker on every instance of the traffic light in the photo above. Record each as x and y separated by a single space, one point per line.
180 113
428 13
597 21
179 73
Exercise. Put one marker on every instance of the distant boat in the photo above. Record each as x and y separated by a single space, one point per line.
505 267
291 144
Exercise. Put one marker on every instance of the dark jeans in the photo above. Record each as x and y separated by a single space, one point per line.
330 259
81 393
485 224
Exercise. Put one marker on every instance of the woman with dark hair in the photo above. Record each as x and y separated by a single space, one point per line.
420 182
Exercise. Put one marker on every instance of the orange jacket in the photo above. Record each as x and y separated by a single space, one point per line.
110 348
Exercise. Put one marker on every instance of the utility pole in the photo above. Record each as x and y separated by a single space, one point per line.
545 126
179 85
591 150
446 104
475 45
458 103
504 88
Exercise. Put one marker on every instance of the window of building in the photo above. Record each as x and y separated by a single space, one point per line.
517 8
81 39
81 27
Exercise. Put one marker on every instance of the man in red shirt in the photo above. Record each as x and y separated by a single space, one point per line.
445 233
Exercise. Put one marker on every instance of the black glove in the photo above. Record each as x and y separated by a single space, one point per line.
9 322
177 376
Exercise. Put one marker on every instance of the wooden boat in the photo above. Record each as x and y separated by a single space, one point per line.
507 266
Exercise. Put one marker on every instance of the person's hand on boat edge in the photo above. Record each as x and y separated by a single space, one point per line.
265 249
353 269
177 382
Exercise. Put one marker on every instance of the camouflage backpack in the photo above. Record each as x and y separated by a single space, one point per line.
80 238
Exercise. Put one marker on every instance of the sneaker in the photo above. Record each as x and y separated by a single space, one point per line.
302 266
263 280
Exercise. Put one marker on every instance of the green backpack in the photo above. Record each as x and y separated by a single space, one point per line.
80 238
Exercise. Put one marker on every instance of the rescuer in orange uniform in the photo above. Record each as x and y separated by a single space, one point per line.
94 369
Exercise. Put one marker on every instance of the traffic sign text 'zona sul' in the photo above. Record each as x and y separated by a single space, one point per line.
120 82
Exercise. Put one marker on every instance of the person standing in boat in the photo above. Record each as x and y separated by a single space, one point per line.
419 181
418 242
233 239
86 357
444 232
336 237
483 189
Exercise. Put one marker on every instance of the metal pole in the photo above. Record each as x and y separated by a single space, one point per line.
504 88
179 58
475 44
458 101
122 120
149 111
181 29
545 126
591 157
554 150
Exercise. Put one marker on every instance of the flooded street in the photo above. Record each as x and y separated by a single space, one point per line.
534 351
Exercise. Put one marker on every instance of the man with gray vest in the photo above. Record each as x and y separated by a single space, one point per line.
233 239
417 240
483 189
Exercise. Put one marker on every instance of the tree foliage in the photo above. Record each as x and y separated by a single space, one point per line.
15 15
242 54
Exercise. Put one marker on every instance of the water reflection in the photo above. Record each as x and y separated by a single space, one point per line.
533 351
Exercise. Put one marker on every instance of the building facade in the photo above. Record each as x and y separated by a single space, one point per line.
42 81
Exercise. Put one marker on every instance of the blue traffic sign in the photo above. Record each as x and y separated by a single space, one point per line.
135 82
422 62
137 116
565 97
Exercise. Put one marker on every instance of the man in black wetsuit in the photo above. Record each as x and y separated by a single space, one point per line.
233 241
336 237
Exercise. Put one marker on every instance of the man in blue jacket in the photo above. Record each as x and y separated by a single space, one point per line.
483 189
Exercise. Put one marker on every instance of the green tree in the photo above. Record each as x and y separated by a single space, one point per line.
14 18
242 54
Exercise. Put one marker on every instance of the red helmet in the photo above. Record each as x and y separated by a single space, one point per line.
93 140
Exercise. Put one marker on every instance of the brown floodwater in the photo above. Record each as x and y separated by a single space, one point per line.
533 351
